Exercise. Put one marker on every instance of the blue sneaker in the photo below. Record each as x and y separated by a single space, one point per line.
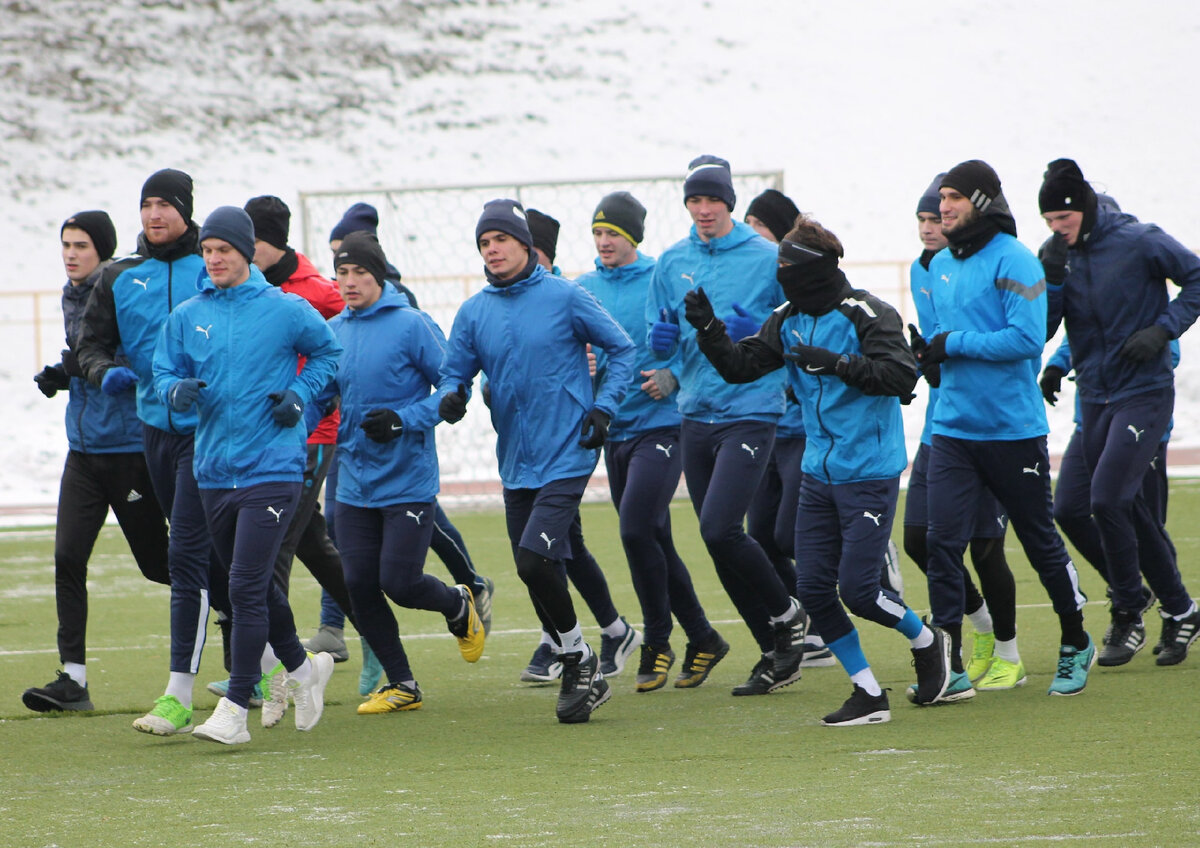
1073 666
372 671
544 666
959 689
220 688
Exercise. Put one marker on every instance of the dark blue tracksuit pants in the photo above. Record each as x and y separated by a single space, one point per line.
723 464
771 518
842 533
1018 474
247 527
643 473
585 574
1119 441
383 552
189 547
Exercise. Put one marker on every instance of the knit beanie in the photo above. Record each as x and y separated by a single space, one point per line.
99 226
974 180
709 176
173 186
359 217
233 225
1064 188
931 201
776 210
622 213
363 249
506 216
272 219
544 231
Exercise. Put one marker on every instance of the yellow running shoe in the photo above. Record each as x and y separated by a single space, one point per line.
393 698
467 628
982 651
1002 674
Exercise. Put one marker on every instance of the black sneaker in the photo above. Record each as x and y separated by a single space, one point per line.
1125 636
761 680
62 693
653 667
789 648
1178 636
583 688
699 660
616 650
860 708
933 667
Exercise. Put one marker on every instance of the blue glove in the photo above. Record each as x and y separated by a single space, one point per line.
741 324
287 408
663 334
117 380
183 394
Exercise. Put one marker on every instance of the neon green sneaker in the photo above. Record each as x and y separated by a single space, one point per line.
982 651
167 718
275 702
1002 674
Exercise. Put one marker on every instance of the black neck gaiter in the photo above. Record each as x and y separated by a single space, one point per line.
524 275
282 271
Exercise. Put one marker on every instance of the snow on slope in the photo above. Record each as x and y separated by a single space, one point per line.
859 103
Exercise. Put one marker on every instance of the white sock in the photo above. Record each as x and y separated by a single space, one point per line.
572 642
180 684
302 672
793 605
617 628
548 640
1191 609
981 619
866 681
268 660
923 639
77 672
1006 649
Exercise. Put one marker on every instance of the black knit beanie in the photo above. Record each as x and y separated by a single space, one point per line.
544 231
974 180
362 248
1064 189
99 226
173 186
776 210
272 219
710 176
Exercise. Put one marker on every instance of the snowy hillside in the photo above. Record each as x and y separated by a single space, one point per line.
860 104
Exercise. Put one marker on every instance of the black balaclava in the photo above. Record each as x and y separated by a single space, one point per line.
810 278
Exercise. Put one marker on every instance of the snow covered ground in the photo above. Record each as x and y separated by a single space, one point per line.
859 103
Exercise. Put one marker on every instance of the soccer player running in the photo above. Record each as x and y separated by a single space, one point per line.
727 432
1110 289
124 316
388 468
989 427
528 330
643 459
105 469
848 363
987 536
231 352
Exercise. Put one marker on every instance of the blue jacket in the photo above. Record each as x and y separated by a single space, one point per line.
993 305
1115 286
737 268
127 310
855 430
392 352
244 343
622 292
530 339
96 422
920 283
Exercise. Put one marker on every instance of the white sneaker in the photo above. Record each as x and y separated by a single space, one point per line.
275 694
309 695
226 725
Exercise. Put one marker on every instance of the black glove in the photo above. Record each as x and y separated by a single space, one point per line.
71 363
382 425
789 394
934 352
594 430
453 406
697 309
932 374
1145 344
1051 383
1054 259
51 380
287 409
486 391
915 340
184 393
817 360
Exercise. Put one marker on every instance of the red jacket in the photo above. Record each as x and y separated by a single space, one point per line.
323 294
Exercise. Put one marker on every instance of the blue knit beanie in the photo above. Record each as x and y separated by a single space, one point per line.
231 224
359 217
931 200
709 176
507 216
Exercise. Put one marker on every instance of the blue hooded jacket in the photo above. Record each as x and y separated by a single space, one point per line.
738 267
1115 286
920 283
244 342
530 339
392 353
622 292
96 422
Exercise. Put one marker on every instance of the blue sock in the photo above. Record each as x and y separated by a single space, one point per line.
849 652
910 625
